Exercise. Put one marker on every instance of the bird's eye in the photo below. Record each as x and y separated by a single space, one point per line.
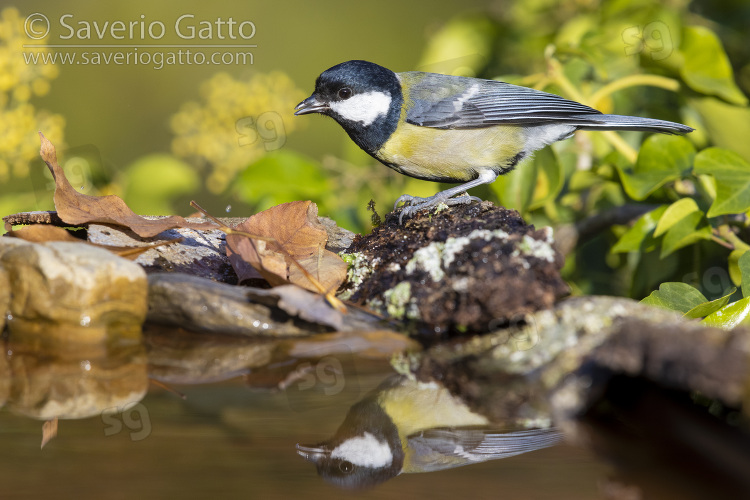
346 467
345 93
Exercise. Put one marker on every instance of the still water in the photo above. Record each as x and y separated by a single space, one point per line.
226 439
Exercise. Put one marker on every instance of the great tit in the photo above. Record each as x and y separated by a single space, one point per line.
405 426
450 128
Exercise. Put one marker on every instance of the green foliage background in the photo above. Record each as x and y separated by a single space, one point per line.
642 209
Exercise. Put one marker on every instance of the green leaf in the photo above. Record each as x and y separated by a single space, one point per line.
707 308
156 179
731 315
549 179
462 46
706 67
727 125
736 274
676 297
517 190
687 231
279 177
732 175
744 264
663 158
640 236
674 214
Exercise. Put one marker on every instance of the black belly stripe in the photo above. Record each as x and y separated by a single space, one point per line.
510 165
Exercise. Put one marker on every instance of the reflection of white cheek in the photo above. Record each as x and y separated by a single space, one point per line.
363 108
365 451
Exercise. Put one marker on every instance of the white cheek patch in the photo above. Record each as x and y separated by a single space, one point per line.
364 108
364 451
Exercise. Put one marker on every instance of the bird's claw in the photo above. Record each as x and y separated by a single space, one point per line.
413 204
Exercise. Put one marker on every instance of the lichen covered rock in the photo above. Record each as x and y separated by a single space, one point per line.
463 269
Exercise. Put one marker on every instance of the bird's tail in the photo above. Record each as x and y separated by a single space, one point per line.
619 122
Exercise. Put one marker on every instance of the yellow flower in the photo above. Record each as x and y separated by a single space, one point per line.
14 71
235 123
19 82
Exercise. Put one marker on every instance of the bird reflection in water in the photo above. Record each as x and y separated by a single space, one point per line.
406 426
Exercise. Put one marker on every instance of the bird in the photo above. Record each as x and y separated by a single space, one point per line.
452 129
408 426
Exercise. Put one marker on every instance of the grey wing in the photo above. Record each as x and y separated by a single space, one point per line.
438 449
441 101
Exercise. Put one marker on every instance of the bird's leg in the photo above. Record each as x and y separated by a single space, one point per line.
413 204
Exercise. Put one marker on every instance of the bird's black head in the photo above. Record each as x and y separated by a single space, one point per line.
345 473
364 98
365 451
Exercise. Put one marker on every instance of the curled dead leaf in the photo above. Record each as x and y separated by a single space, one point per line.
78 208
289 232
49 431
41 233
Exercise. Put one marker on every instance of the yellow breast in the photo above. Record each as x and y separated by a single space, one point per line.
450 155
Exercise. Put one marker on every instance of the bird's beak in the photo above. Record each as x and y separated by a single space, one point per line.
311 105
312 454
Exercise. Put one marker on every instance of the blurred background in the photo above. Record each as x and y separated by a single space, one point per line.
141 117
159 128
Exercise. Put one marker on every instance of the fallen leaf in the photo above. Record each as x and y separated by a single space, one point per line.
40 233
77 208
377 344
296 302
289 232
49 431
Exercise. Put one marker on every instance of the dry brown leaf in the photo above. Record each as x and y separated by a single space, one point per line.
296 234
40 233
77 208
49 431
376 344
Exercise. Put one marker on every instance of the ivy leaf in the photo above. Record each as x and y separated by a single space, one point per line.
663 158
730 316
706 68
708 308
676 297
736 274
744 265
517 190
279 177
727 125
674 214
687 231
549 178
640 236
732 174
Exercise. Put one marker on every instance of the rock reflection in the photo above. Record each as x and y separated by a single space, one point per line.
72 376
60 385
406 426
73 330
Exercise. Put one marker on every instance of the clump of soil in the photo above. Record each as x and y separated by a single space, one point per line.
464 269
